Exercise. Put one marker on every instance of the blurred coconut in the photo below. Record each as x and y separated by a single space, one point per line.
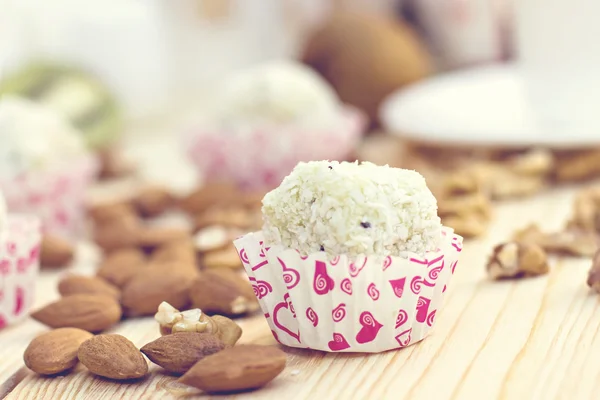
366 57
77 95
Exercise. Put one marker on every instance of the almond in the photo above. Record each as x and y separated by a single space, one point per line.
112 356
231 217
78 284
118 234
56 252
214 238
223 292
180 351
209 195
120 266
90 312
106 213
236 368
150 238
226 258
152 201
144 293
179 251
55 351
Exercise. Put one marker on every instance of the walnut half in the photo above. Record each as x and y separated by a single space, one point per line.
517 260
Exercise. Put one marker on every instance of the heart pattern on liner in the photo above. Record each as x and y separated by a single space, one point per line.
363 305
19 265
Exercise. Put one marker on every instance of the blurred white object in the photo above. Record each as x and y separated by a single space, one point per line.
465 32
560 62
482 106
34 137
278 92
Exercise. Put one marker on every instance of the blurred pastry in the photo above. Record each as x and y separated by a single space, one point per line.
267 119
45 166
78 96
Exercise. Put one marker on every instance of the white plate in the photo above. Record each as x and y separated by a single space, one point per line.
484 106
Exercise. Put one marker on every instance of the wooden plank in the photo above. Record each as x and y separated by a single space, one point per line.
528 339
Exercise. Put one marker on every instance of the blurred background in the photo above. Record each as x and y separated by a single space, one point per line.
425 84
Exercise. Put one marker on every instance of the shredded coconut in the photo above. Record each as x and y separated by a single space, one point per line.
353 209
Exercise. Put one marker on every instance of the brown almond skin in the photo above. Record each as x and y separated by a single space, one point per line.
118 234
223 291
120 266
144 293
236 368
178 352
79 284
153 201
179 251
56 252
226 258
209 195
55 351
112 356
106 213
151 238
90 312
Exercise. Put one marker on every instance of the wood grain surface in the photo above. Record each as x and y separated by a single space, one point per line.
527 339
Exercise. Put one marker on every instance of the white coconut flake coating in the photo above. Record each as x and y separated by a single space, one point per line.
353 209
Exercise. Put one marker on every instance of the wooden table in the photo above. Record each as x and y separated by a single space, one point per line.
527 339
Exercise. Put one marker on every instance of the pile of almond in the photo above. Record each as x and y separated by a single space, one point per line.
146 267
199 347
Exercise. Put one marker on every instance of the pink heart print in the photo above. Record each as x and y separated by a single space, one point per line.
418 282
373 292
323 283
370 328
260 288
338 343
19 300
283 310
355 269
404 338
312 316
398 286
339 313
401 319
346 286
291 277
422 309
434 273
387 262
431 318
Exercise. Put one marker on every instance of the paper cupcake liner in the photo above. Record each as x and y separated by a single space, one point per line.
19 265
261 158
56 196
368 305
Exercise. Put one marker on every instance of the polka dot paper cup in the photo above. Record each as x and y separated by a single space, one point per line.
261 158
56 196
19 266
369 305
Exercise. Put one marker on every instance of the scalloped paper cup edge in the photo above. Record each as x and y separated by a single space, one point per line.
263 157
367 305
57 196
19 266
